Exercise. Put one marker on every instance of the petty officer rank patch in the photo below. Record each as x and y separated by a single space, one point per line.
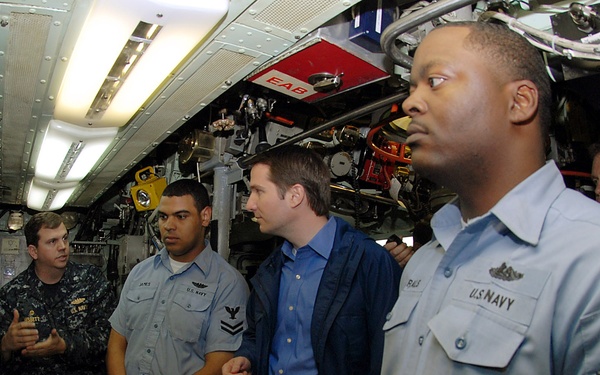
233 325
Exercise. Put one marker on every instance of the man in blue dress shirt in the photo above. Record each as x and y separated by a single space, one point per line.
319 302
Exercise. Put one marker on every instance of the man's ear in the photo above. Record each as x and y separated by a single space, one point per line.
296 195
33 251
206 215
524 103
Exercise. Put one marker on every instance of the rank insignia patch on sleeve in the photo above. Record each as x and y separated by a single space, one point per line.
237 326
232 329
232 311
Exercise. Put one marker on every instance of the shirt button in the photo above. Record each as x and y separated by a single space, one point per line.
388 316
289 341
297 277
148 351
163 301
291 308
280 371
421 339
460 343
155 325
447 272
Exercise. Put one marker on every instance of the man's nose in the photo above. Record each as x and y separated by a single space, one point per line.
251 204
167 223
413 104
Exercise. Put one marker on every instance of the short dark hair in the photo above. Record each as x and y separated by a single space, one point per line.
512 55
191 187
38 221
594 150
292 164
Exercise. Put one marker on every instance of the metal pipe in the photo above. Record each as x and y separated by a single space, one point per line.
371 107
546 41
222 201
375 198
414 19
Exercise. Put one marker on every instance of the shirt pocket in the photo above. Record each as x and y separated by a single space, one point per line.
188 315
487 315
140 302
470 336
402 310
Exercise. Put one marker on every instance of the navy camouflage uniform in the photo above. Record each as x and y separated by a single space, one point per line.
78 306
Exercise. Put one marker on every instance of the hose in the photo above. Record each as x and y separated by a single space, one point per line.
414 19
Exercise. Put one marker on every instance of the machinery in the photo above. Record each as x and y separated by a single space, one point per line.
328 75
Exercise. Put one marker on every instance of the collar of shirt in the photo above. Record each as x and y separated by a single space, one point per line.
32 278
321 243
202 260
533 197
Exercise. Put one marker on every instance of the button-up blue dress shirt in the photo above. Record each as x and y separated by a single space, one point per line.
292 351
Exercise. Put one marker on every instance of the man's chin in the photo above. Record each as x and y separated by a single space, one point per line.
420 165
173 250
177 252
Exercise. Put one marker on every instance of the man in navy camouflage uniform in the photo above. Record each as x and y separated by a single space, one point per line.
54 315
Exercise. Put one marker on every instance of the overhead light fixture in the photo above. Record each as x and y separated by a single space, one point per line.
126 49
48 196
69 152
124 52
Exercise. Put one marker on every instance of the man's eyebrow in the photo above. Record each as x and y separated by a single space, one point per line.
55 238
425 68
175 213
415 76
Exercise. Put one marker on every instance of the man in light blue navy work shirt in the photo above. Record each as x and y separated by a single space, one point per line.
318 303
510 283
181 311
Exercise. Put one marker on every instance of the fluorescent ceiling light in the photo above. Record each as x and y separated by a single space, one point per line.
47 196
107 46
69 152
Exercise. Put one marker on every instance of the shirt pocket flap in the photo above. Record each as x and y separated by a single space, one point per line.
192 302
402 310
477 337
141 294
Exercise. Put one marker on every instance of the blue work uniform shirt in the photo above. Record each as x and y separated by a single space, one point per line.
171 320
292 351
514 292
